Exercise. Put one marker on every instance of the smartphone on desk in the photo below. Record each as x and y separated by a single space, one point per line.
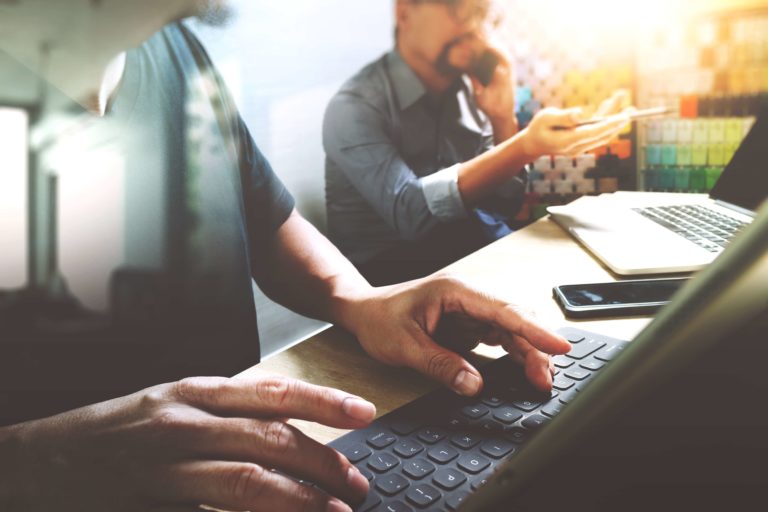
619 298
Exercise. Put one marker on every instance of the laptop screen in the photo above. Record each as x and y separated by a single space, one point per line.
744 182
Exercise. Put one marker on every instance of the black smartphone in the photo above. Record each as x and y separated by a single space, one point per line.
619 298
484 66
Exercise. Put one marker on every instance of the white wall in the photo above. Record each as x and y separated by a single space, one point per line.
283 61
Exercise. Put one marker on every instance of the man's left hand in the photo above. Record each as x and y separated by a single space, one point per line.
397 324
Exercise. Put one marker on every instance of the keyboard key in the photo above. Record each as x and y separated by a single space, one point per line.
574 337
404 427
473 463
457 423
534 421
479 482
507 414
391 484
382 462
465 440
491 426
408 448
552 409
497 448
443 454
492 401
431 435
455 501
449 478
609 353
568 396
592 365
366 473
562 384
516 435
563 362
371 502
585 348
577 374
355 452
381 440
419 468
423 495
474 411
396 506
526 405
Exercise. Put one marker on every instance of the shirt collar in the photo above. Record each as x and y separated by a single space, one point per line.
408 87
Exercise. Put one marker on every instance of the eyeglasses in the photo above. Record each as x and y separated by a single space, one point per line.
466 12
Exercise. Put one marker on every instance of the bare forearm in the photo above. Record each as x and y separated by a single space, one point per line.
504 129
311 276
482 175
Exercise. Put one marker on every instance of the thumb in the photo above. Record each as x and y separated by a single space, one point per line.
568 117
445 366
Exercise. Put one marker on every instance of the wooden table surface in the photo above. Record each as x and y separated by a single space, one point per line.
521 268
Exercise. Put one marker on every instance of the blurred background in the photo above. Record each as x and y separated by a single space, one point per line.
284 60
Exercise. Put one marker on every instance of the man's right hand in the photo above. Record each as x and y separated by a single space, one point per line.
204 440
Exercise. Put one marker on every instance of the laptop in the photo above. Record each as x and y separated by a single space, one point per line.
636 233
674 420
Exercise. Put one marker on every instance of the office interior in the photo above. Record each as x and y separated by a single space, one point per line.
708 60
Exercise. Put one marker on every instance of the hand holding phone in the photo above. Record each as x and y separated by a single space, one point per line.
485 66
636 114
619 298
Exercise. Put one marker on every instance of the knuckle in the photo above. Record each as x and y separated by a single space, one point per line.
198 389
169 419
276 391
155 397
247 482
279 436
309 500
334 464
439 363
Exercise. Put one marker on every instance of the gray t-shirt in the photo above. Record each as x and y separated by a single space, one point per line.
166 210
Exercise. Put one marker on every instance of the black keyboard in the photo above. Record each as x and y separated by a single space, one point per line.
431 453
703 226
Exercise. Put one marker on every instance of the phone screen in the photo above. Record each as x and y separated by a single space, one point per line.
627 292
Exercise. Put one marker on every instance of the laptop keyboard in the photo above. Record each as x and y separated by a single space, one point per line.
703 226
430 454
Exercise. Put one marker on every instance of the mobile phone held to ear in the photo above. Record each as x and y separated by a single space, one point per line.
484 66
619 298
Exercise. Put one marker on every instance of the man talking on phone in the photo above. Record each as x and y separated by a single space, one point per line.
425 161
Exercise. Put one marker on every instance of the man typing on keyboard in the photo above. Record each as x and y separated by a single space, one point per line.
217 441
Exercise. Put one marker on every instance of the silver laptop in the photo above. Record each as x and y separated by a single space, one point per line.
653 233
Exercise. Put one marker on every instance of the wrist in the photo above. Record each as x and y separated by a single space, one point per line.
348 303
528 146
504 127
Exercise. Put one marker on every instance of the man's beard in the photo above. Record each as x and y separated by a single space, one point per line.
215 13
443 63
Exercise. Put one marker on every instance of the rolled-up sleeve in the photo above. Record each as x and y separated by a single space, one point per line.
441 191
358 140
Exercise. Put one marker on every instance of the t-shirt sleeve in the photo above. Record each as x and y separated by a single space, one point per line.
266 201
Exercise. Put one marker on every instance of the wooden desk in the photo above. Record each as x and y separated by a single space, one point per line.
521 268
